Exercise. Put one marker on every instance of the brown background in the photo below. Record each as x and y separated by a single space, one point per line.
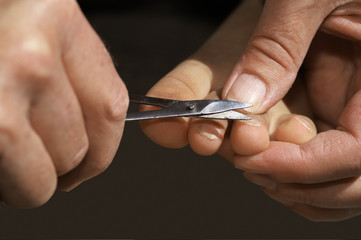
148 191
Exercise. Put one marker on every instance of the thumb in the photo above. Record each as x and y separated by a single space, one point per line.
275 52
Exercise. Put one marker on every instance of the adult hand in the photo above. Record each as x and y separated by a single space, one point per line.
200 77
62 104
320 179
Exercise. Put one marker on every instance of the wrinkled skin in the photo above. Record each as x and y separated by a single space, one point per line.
62 103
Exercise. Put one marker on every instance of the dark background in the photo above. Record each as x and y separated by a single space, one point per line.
148 191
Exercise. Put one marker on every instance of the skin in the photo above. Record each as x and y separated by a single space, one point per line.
62 112
317 176
57 125
320 180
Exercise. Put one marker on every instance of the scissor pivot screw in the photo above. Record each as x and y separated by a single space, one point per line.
191 106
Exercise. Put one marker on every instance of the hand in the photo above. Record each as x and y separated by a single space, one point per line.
204 72
201 76
321 179
62 102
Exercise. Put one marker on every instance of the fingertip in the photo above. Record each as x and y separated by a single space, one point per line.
67 186
249 137
296 129
27 174
32 192
206 136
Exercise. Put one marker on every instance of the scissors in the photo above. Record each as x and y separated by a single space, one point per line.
211 109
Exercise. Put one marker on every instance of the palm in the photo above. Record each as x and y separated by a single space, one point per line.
332 78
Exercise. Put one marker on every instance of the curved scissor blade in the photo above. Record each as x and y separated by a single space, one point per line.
218 106
228 115
168 112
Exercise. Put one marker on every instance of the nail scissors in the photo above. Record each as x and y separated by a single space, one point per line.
211 109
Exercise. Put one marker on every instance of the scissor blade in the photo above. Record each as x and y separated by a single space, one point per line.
218 106
146 115
141 99
156 114
196 108
229 115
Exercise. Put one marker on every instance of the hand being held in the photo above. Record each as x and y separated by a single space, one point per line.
62 104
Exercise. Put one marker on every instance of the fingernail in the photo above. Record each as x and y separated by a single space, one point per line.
80 154
305 123
210 136
261 180
209 131
249 89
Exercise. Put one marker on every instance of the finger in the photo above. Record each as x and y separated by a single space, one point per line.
331 155
102 96
314 162
54 110
56 116
287 162
275 52
206 136
188 81
253 136
325 215
205 71
345 193
318 214
225 150
295 129
27 174
250 136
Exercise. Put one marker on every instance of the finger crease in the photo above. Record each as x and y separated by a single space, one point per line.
289 65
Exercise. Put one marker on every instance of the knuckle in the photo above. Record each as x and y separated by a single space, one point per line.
34 60
276 50
115 106
30 194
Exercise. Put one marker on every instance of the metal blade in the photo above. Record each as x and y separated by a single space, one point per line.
218 106
229 115
161 102
195 108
